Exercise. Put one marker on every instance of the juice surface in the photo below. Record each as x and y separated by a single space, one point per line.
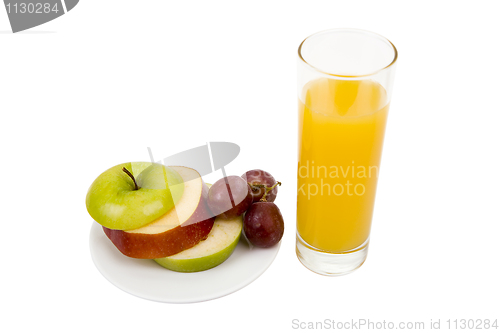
341 131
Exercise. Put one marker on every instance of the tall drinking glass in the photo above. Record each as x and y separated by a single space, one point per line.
345 80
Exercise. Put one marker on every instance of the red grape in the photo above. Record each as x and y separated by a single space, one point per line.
263 224
229 197
261 177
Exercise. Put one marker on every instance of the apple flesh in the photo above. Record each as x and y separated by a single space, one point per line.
179 229
210 252
114 202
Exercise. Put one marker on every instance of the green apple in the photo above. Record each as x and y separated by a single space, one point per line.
179 229
211 252
131 195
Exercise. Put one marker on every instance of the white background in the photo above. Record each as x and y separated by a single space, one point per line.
99 85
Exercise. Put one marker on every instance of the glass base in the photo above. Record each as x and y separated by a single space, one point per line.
330 264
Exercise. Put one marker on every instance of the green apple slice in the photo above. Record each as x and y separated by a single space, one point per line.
114 202
211 252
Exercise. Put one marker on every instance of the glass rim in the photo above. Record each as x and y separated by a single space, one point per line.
352 30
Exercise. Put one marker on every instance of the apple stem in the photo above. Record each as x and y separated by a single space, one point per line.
131 176
269 189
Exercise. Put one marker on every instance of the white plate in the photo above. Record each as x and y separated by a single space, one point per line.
146 279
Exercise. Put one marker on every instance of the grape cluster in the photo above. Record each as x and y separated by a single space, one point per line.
252 194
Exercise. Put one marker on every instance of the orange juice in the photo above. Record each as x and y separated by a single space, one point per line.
341 131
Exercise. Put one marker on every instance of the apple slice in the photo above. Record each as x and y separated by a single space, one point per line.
179 229
211 252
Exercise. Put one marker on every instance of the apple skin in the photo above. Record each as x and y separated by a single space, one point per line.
113 202
208 253
168 241
143 246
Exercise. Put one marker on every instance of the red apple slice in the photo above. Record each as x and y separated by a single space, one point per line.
179 229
